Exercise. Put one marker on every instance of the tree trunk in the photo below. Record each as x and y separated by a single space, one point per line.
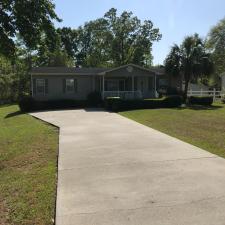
186 89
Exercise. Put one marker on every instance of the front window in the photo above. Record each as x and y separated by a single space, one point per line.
70 85
40 86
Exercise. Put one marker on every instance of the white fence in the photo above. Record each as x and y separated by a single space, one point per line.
214 93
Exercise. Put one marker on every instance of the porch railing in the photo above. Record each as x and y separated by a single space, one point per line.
123 94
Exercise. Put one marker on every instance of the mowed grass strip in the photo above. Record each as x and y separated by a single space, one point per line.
198 125
28 168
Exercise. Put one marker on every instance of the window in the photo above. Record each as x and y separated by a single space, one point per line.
71 85
40 86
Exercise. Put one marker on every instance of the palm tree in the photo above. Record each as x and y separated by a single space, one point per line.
189 60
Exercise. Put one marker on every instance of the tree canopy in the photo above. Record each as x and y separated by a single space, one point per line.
189 60
112 40
28 18
216 44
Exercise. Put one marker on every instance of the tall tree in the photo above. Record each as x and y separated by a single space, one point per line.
132 40
68 41
189 60
29 18
216 44
116 40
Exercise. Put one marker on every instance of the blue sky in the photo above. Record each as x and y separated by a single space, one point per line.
174 18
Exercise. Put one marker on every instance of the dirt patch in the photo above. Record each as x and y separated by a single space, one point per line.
4 213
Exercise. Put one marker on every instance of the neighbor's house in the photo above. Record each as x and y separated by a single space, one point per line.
128 81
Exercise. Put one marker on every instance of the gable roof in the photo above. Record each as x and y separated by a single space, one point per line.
156 70
87 71
66 70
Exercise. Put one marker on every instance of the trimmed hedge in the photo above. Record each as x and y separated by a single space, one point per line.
223 99
116 104
94 98
206 100
28 104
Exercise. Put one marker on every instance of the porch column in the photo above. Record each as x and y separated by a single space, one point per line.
103 87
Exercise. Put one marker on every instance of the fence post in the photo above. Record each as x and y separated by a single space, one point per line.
201 92
190 92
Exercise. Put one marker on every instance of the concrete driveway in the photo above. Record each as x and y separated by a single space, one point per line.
114 171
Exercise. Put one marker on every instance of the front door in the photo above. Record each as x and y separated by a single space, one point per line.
146 86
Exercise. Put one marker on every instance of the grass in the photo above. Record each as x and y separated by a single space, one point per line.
198 125
28 168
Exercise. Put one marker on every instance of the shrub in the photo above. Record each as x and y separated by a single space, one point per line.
59 104
112 103
94 98
116 104
206 100
26 104
223 99
172 101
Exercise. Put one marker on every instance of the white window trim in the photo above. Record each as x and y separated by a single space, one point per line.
40 93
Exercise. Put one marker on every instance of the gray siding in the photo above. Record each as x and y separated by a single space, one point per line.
85 85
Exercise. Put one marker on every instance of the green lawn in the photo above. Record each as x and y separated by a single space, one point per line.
201 126
28 168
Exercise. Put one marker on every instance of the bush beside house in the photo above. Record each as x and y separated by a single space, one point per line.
223 99
28 104
118 104
94 99
115 104
206 100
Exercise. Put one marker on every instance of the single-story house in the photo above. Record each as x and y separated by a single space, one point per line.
128 81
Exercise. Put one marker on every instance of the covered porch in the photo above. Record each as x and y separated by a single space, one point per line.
133 87
128 82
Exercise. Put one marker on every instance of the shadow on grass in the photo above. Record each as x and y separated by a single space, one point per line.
17 113
204 107
200 107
